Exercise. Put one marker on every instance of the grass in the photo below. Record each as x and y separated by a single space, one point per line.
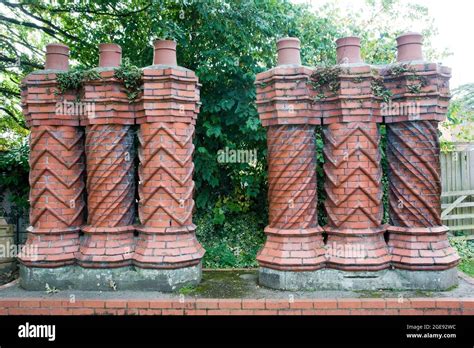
467 266
187 290
465 249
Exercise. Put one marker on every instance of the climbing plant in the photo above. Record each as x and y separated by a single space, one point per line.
75 78
131 76
128 73
325 79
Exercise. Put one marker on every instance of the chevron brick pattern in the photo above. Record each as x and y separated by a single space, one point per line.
354 197
166 186
166 196
108 236
353 175
417 238
56 194
166 112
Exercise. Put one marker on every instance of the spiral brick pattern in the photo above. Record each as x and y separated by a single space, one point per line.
415 185
418 239
294 239
292 177
108 235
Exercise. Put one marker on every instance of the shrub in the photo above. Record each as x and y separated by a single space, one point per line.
14 170
465 249
234 243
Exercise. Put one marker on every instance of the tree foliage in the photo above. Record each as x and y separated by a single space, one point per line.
459 124
226 42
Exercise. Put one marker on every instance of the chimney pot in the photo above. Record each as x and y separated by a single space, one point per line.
409 47
110 55
288 50
165 52
57 57
348 50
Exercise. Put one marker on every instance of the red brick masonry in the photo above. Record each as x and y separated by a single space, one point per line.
212 306
57 189
166 112
350 101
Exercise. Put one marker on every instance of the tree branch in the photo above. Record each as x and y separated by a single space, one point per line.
10 92
25 62
29 25
84 10
59 30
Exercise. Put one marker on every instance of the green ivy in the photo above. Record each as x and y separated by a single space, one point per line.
465 249
379 89
322 215
420 81
460 120
75 78
384 165
325 78
131 76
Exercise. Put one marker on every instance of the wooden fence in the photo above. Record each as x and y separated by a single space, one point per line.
457 180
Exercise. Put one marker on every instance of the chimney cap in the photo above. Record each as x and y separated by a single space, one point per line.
409 38
288 42
57 44
164 43
110 47
348 50
410 47
348 41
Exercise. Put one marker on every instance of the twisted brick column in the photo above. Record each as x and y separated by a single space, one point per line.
56 167
415 183
417 239
167 114
353 172
294 239
108 236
